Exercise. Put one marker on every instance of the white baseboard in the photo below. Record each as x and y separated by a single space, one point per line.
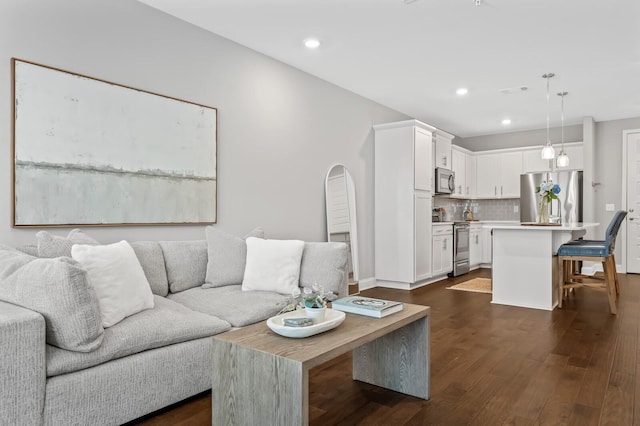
409 286
367 283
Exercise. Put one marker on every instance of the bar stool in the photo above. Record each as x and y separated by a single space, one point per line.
593 251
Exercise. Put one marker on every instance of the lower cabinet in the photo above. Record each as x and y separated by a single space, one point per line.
486 245
442 249
475 247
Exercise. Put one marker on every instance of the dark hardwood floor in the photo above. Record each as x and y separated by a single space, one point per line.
491 365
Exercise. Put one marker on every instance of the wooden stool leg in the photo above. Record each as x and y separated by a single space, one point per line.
610 283
615 273
560 281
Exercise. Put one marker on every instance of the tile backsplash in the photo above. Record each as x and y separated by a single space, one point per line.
482 209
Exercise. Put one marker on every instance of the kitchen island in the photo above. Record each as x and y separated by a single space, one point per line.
524 265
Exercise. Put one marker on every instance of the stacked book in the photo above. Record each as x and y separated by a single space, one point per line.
368 306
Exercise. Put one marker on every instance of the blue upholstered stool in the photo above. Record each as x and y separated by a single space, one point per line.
593 251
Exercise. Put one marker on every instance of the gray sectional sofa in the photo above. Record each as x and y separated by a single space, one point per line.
147 361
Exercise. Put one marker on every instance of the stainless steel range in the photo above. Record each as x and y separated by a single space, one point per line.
460 248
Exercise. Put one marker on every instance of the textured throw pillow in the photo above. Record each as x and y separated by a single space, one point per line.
325 264
227 255
56 246
117 278
59 290
272 265
186 263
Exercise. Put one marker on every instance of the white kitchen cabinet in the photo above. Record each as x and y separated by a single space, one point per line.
576 156
498 175
475 246
403 203
459 167
487 250
470 177
532 162
423 173
442 249
442 149
487 175
422 218
510 171
463 164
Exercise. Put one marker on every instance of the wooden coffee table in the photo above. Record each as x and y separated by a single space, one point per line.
261 378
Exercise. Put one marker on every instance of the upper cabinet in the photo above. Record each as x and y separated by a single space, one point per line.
406 149
459 167
423 173
463 164
442 149
470 175
498 175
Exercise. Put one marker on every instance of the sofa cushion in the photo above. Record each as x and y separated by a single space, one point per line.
186 263
231 304
59 290
151 259
227 255
55 246
325 264
117 278
272 265
167 323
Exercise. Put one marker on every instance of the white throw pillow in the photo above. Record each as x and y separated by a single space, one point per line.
272 265
117 278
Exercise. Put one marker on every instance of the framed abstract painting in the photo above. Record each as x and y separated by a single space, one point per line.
90 152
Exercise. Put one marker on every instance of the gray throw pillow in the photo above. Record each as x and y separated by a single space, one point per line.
60 291
55 246
227 257
325 264
186 263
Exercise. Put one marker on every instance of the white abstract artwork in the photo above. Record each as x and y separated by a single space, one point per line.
90 152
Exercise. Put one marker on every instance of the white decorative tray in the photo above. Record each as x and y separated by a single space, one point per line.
332 319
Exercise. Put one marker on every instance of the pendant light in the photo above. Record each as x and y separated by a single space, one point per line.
548 153
563 158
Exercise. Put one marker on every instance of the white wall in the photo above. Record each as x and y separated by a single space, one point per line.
279 129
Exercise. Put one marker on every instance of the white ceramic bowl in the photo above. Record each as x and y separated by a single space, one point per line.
332 319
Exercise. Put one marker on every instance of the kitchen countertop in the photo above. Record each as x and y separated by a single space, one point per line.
564 227
441 223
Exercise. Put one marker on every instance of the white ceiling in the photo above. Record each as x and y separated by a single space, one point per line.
412 57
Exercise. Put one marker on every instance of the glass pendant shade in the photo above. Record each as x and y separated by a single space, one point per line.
548 152
562 160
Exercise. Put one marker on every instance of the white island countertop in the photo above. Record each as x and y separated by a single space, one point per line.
524 269
529 226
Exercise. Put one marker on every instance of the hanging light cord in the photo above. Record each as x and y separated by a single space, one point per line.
562 118
548 76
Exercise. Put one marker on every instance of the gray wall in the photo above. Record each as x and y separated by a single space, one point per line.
519 139
608 167
279 129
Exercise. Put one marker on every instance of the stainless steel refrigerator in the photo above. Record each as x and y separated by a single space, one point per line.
566 209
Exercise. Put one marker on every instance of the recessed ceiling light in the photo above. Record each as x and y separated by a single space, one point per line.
312 43
462 91
506 121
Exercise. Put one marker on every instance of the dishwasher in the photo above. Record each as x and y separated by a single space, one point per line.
460 248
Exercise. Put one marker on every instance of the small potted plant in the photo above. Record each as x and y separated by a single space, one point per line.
314 301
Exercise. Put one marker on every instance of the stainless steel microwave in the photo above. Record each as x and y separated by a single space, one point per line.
445 181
